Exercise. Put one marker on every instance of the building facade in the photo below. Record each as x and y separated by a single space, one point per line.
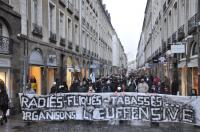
43 41
173 22
10 50
119 58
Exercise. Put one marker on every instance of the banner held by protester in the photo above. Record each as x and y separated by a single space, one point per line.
108 106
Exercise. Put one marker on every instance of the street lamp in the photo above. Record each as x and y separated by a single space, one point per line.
25 63
186 61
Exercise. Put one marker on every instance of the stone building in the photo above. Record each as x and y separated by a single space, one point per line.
43 41
173 22
119 58
10 49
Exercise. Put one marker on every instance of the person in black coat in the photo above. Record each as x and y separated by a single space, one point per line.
174 87
4 101
63 88
54 88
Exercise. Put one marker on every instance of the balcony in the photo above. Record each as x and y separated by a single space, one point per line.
88 52
76 15
88 26
164 7
70 7
5 1
77 48
70 46
63 2
83 21
169 43
84 51
88 1
52 37
62 42
181 33
192 25
6 46
37 30
174 40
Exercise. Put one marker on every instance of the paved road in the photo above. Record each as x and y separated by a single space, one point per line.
17 125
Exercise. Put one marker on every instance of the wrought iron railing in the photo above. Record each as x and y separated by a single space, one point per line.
62 42
77 48
84 51
5 45
83 20
164 46
52 37
76 14
37 30
63 2
70 7
70 45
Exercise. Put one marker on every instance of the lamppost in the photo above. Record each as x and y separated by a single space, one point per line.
25 63
186 61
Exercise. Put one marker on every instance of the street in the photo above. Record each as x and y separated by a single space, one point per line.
15 124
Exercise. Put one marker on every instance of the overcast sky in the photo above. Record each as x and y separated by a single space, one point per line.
127 19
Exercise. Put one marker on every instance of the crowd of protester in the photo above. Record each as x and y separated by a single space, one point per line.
119 83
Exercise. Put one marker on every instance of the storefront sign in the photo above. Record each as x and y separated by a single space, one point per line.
178 49
4 62
52 60
109 106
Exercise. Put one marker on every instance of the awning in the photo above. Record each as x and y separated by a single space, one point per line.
36 58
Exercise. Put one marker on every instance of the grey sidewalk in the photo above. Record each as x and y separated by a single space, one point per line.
15 124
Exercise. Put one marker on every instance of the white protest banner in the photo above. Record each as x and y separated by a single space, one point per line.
108 106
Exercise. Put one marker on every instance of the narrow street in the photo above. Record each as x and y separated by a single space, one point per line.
15 124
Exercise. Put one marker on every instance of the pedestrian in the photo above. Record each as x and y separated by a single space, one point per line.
54 88
33 82
4 101
74 86
91 90
82 88
106 87
63 88
29 89
174 87
143 87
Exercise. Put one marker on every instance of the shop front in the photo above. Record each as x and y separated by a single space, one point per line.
77 70
5 74
52 68
36 68
69 72
83 70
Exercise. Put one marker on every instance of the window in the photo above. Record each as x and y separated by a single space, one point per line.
35 11
62 25
192 7
36 15
52 18
1 30
70 30
194 49
83 39
76 34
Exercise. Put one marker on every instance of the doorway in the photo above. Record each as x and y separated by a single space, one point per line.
50 78
35 78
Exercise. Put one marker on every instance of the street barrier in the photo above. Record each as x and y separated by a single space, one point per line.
110 106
